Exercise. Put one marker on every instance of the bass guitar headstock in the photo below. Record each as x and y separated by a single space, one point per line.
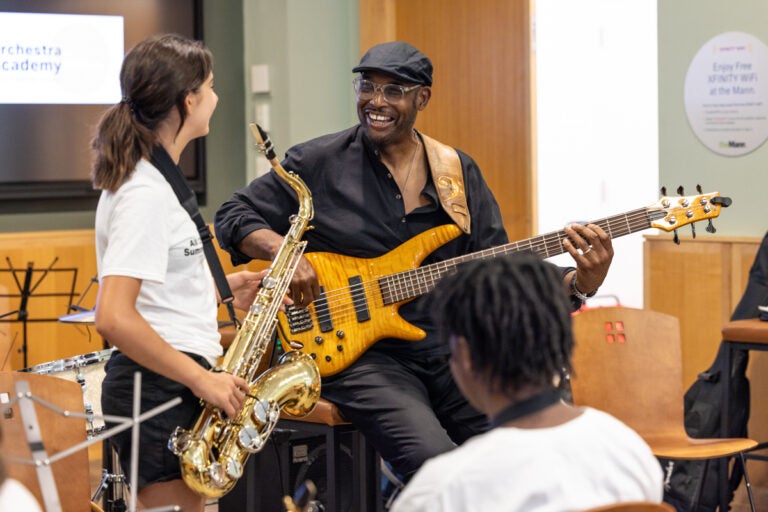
671 213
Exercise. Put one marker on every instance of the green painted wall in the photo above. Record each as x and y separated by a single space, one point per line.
225 156
684 27
310 47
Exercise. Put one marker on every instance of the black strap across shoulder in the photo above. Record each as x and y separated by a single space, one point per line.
171 172
536 403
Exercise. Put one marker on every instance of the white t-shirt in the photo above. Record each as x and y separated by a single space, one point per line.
142 231
14 496
589 461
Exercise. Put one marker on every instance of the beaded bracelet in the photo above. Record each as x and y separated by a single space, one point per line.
577 293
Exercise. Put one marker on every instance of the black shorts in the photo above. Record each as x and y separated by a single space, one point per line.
156 461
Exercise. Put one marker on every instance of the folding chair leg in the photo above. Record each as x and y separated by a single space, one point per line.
699 487
746 482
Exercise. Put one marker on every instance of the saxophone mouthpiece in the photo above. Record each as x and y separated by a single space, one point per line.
262 141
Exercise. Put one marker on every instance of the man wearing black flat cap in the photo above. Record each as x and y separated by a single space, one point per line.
375 187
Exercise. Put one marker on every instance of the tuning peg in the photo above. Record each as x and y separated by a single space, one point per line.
710 227
725 202
676 239
698 189
663 191
680 191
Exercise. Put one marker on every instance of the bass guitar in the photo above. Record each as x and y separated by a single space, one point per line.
360 297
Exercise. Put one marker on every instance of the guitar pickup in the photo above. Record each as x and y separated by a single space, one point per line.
359 300
323 313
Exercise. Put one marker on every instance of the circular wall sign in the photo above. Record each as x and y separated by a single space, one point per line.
726 93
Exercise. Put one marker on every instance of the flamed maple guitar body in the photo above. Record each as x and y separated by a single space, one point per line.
359 301
360 297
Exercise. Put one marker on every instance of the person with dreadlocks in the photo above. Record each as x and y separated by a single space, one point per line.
507 323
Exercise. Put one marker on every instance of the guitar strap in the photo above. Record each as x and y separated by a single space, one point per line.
445 166
171 172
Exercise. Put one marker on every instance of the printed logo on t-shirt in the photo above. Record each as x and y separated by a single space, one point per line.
195 247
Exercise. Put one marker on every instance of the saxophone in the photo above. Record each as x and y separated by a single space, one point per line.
213 453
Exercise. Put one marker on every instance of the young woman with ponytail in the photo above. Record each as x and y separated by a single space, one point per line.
157 300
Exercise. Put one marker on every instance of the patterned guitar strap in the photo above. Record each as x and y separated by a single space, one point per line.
445 166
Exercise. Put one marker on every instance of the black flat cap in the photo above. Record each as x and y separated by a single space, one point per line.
398 59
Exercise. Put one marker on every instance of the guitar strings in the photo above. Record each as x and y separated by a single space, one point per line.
348 310
547 245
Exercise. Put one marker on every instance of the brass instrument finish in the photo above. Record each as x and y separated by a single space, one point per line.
213 453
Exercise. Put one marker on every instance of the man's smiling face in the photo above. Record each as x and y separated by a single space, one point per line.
387 122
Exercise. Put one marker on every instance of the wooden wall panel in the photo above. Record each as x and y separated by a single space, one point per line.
57 251
377 23
481 100
692 282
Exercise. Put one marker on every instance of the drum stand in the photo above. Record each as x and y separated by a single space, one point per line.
112 485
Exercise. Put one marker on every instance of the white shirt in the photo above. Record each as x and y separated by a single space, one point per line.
142 231
591 460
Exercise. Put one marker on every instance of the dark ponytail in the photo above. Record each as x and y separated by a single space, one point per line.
156 77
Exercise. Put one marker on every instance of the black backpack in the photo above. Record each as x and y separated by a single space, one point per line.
703 403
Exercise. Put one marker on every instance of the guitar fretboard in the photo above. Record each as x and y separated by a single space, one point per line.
412 283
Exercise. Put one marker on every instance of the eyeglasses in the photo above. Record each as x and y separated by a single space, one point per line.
392 93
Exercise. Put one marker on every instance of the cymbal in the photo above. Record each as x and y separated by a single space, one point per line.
83 317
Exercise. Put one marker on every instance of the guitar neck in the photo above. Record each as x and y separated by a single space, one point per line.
413 283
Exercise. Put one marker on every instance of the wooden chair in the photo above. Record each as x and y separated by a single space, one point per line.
634 506
628 363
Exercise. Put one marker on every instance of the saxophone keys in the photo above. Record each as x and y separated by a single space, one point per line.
268 282
265 412
250 439
216 474
234 469
178 441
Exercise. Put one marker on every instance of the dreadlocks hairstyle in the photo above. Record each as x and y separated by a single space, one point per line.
514 315
156 77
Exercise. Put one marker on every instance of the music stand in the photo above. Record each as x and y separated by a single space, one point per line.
26 290
40 459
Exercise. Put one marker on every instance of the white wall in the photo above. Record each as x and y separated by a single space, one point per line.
597 124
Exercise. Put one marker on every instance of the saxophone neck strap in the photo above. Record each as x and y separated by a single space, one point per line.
171 172
536 403
445 166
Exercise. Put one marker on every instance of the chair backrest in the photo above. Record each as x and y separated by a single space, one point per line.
58 433
635 506
628 363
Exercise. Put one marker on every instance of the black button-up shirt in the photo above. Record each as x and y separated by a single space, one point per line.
359 212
